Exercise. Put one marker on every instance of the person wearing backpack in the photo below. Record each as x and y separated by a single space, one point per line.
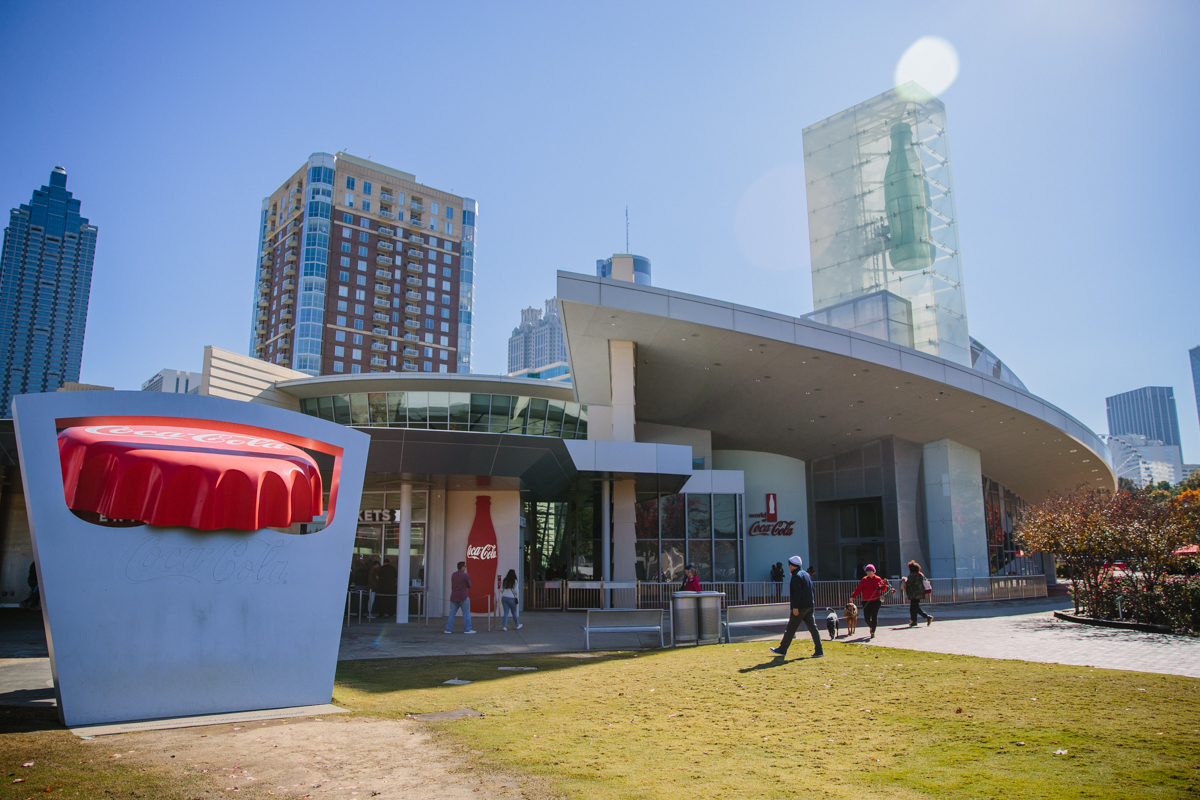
916 587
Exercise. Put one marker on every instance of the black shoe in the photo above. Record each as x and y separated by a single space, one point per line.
818 655
778 652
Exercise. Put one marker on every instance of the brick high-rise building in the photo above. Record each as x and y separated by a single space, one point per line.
45 282
362 269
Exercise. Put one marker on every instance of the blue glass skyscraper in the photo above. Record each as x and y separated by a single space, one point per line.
45 280
1194 353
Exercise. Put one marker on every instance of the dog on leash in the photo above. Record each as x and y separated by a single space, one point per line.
831 623
851 612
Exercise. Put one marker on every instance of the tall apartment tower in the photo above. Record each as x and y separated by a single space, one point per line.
1149 412
45 281
362 269
537 347
883 236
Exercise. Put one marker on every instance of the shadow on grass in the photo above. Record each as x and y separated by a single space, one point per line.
775 661
381 675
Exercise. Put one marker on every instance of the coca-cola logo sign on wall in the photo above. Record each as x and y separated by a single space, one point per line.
203 437
485 552
765 525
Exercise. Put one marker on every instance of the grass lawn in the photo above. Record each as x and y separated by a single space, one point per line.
731 721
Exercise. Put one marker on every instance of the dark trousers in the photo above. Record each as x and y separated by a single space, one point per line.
871 612
805 615
914 608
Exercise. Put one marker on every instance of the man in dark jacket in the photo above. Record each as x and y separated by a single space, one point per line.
803 604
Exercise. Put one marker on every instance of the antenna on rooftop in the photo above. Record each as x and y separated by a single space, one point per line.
626 229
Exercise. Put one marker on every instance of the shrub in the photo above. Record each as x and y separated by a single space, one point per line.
1174 602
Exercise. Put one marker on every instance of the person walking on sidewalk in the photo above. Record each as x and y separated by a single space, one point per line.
916 587
460 597
871 589
508 599
691 579
803 604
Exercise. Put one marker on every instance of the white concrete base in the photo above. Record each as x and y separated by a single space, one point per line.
207 719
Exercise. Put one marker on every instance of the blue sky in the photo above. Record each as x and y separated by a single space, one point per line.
1072 128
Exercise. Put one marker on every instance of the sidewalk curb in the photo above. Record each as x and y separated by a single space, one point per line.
1112 623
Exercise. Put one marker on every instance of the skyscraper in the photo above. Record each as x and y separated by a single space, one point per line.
639 264
1194 354
537 348
45 281
882 220
1149 412
362 269
174 381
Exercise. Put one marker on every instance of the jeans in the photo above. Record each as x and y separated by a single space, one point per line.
465 605
510 607
914 608
871 612
805 615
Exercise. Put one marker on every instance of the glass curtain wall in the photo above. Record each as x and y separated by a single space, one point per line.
378 535
882 215
674 530
1002 512
455 411
563 538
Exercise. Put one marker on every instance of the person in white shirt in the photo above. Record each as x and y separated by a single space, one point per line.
510 600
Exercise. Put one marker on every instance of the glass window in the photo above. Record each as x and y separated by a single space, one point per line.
438 410
362 251
537 417
397 411
449 212
646 516
554 417
646 554
366 187
673 562
433 207
358 323
348 218
724 515
338 366
339 351
361 281
345 261
325 408
341 320
349 200
501 408
518 413
700 557
363 236
460 407
358 338
341 408
355 369
418 409
725 561
349 183
479 411
570 421
345 247
671 517
339 336
377 402
699 516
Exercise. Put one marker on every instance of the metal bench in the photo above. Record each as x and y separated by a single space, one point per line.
622 620
756 616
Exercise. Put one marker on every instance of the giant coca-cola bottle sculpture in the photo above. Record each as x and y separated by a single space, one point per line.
482 555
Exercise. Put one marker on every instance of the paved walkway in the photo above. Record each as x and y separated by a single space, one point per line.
1017 629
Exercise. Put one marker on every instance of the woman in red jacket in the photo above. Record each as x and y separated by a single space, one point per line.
871 589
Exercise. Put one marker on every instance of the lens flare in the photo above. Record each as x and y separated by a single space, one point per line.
931 63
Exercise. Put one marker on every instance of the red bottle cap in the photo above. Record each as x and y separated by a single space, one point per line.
188 477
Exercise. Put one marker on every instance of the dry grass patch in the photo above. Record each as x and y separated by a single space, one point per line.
732 721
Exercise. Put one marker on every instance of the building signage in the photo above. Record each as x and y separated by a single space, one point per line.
482 553
379 515
768 523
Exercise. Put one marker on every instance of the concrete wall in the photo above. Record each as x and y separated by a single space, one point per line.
699 440
460 514
16 549
238 377
954 511
766 473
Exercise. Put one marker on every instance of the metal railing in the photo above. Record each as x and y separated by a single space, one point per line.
582 595
357 599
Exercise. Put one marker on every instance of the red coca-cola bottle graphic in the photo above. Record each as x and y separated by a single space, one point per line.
482 555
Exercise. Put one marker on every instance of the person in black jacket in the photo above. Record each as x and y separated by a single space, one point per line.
803 604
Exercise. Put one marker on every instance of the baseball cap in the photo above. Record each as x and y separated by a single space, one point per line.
799 562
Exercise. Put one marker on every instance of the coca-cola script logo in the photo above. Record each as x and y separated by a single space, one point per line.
485 553
250 560
207 437
764 526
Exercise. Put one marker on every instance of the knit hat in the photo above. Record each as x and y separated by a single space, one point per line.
796 560
869 568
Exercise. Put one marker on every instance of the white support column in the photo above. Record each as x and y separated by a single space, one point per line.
605 537
404 557
624 527
621 358
954 513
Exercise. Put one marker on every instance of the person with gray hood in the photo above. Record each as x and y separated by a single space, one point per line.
803 604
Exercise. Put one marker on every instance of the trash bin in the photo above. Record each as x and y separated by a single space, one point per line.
683 616
709 616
